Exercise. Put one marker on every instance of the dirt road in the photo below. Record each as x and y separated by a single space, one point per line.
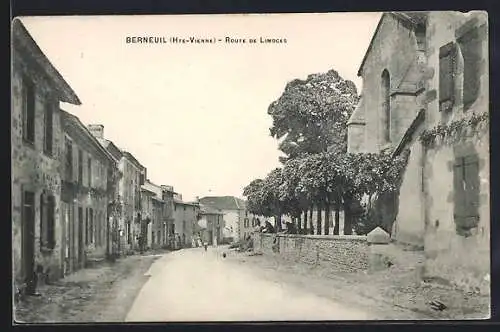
194 285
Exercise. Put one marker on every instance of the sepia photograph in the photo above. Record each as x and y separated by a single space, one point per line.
250 167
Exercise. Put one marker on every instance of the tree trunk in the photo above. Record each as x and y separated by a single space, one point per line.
319 220
305 222
347 216
327 219
311 225
299 222
278 221
336 228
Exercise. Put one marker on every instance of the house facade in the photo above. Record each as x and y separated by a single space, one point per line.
425 93
157 207
132 176
238 222
211 225
37 88
87 171
166 228
186 216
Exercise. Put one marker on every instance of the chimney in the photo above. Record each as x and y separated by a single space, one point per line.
97 130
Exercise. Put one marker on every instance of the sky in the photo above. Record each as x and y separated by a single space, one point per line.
196 114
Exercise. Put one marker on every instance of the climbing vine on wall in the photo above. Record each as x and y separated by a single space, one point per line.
455 131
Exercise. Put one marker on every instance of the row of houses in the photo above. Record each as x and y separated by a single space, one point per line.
426 93
77 196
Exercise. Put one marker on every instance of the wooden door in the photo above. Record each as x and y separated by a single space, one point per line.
28 236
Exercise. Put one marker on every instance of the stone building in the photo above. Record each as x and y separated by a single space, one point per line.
133 175
238 222
186 216
37 89
425 92
87 172
157 208
211 224
166 228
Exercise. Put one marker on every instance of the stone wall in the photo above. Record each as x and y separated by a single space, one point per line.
464 261
341 253
32 169
409 225
396 54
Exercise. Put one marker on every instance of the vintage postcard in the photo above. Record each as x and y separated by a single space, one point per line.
253 167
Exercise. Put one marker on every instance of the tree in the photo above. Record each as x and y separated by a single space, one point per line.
256 203
263 196
294 202
311 115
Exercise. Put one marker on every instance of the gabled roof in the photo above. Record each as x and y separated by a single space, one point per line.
73 126
29 49
131 157
205 209
223 202
111 148
410 19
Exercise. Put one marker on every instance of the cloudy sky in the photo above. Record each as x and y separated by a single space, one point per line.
196 115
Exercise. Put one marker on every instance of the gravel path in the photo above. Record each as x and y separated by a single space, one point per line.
99 294
398 292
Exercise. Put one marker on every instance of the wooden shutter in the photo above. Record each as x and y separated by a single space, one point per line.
472 190
447 55
466 193
48 128
29 110
43 221
459 191
471 48
51 231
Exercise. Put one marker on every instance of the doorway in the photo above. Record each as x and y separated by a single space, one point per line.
28 236
80 237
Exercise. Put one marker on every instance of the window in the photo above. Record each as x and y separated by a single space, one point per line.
471 49
48 128
447 72
80 167
89 172
47 221
466 188
386 105
28 110
69 160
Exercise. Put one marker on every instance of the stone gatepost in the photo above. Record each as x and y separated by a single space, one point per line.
378 241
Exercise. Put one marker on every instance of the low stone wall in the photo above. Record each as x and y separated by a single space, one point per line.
343 253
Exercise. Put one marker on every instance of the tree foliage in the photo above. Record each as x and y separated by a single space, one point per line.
310 118
311 115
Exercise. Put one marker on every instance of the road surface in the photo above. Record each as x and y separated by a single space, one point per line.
194 285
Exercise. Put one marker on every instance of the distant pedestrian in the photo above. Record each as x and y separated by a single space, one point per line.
205 245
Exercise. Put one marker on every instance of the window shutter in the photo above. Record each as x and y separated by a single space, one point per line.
447 56
458 189
472 188
43 221
48 127
471 48
51 236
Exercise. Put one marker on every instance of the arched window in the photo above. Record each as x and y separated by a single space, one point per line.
386 105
